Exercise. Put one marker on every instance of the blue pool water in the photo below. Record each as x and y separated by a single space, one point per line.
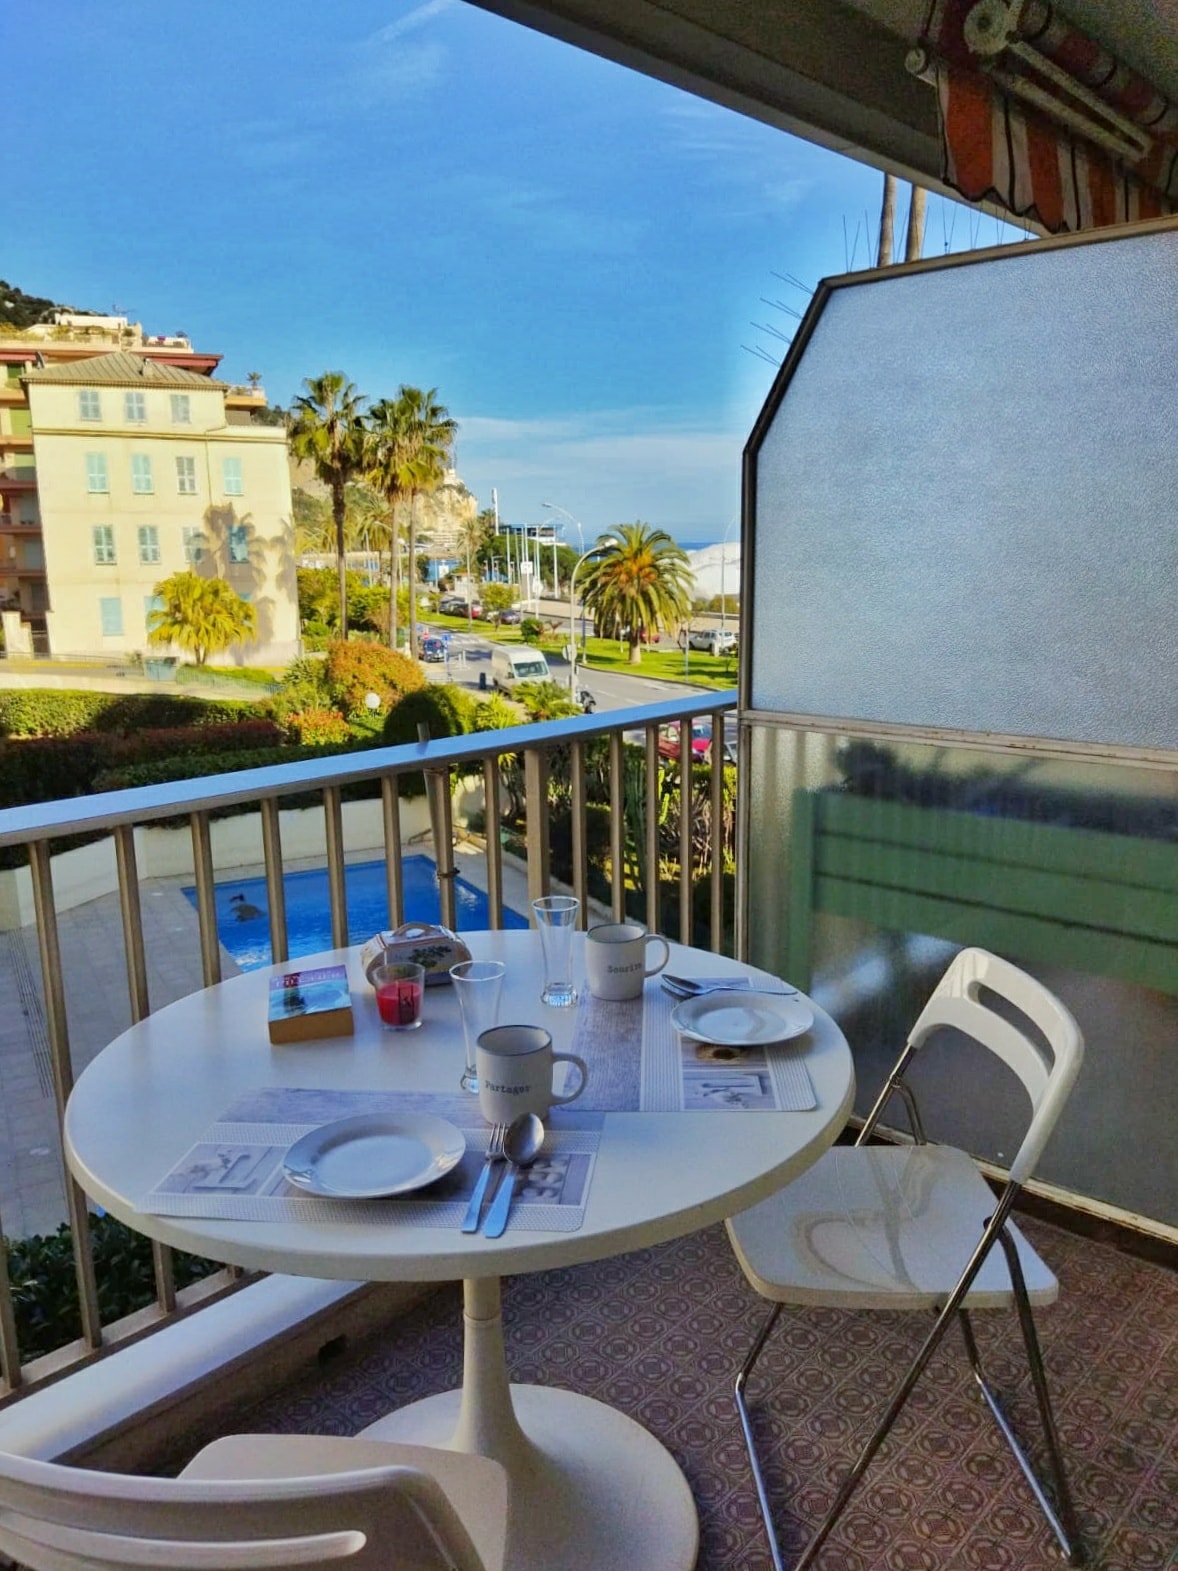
243 924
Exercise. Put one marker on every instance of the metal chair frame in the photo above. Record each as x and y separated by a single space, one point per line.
1063 1522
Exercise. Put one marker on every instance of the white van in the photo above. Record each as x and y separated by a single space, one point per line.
512 663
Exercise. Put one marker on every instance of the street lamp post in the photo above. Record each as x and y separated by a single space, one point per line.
603 544
576 522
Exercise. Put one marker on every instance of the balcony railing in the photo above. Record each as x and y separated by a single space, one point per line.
638 866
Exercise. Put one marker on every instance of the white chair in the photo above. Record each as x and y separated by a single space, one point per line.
252 1501
914 1226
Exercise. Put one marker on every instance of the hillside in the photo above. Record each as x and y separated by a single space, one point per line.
20 310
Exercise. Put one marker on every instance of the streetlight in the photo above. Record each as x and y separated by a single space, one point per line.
603 544
576 522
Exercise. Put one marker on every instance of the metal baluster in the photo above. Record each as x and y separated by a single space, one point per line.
10 1368
653 781
580 831
132 914
275 887
494 854
206 909
390 806
63 1081
336 870
719 770
536 793
441 814
617 826
686 773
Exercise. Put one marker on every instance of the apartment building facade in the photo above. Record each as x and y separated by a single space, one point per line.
122 467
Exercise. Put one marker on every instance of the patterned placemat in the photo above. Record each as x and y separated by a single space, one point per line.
234 1171
639 1062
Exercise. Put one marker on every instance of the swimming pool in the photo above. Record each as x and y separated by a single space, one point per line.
243 923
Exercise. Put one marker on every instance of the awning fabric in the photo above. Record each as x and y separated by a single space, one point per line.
997 148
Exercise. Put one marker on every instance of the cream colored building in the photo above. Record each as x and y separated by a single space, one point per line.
136 468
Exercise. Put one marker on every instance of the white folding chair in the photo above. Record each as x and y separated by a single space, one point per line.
914 1226
254 1501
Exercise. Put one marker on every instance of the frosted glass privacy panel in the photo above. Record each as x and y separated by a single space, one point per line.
965 507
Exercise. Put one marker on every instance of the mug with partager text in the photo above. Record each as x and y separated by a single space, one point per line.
514 1065
615 959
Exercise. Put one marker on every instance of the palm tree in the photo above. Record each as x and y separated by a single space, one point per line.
409 447
327 428
387 463
200 615
638 583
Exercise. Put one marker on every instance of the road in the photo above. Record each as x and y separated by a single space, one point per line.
470 656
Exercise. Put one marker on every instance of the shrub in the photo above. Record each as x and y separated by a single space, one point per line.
356 669
304 687
318 728
546 700
32 712
495 714
447 711
531 630
165 771
45 1285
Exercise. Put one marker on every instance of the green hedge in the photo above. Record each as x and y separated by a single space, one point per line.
162 771
45 1286
41 712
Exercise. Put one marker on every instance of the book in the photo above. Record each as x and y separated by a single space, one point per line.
305 1005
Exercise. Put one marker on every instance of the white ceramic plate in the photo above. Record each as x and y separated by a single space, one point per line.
370 1155
742 1019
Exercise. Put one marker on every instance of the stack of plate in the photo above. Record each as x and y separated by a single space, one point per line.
742 1019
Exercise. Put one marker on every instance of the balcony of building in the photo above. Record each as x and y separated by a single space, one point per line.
96 937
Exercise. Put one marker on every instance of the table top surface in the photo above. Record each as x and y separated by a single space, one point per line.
153 1092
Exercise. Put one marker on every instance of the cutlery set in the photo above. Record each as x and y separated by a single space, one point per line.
518 1145
697 987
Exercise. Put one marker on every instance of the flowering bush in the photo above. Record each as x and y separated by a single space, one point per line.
355 669
318 728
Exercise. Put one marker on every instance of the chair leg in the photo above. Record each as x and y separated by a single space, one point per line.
746 1370
1064 1526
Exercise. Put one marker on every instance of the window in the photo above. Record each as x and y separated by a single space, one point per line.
89 404
194 546
231 476
96 477
151 603
239 550
181 409
149 543
103 537
186 476
141 482
110 608
134 406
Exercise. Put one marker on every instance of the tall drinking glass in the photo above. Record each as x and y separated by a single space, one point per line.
478 984
556 919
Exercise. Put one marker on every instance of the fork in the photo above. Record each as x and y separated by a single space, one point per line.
470 1222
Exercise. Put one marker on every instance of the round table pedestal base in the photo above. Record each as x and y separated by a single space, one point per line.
590 1490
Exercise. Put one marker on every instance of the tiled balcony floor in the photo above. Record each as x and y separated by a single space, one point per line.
660 1334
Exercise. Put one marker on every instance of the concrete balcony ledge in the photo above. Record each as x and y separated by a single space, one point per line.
127 1407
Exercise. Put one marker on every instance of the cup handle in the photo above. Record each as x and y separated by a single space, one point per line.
657 938
571 1058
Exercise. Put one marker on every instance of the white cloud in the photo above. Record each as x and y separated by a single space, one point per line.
608 467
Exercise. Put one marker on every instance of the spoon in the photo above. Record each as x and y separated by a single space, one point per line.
521 1147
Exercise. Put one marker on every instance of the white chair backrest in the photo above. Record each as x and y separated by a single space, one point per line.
956 1002
55 1518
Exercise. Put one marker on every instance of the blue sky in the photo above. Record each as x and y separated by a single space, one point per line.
572 254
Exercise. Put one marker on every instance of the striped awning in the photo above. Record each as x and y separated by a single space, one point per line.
1041 118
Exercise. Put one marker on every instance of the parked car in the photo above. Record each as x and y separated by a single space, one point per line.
701 743
454 605
512 617
511 664
716 640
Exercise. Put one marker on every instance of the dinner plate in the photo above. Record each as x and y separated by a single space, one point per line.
742 1019
370 1155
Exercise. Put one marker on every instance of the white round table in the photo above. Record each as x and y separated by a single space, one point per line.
591 1490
